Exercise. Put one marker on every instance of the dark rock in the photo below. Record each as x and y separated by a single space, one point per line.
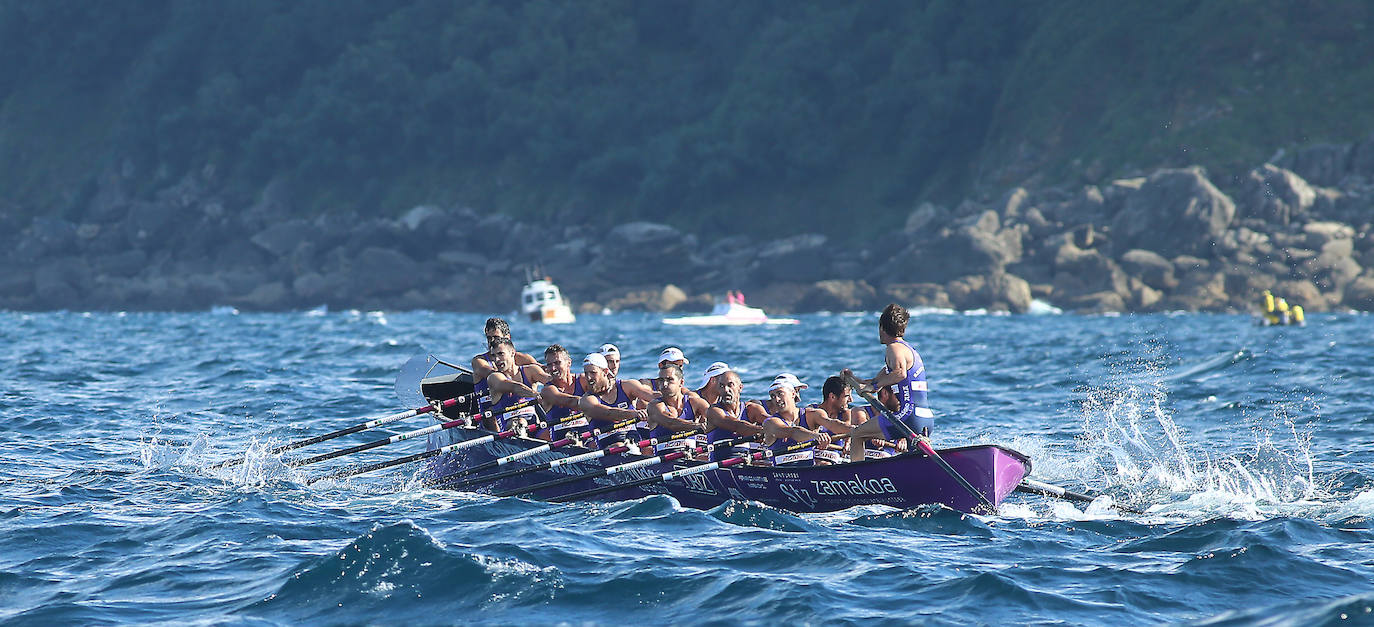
1299 292
1276 195
1322 164
16 283
1094 302
384 271
1154 270
282 238
968 292
801 258
915 295
1318 234
1198 290
779 297
839 295
974 245
1140 296
268 296
1359 294
1078 272
55 234
926 216
644 298
125 264
1009 291
149 223
1174 212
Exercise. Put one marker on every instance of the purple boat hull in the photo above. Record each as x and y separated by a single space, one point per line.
903 481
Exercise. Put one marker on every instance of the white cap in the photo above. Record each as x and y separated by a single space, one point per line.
609 349
788 379
596 359
672 354
714 370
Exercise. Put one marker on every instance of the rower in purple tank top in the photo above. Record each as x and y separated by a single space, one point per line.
726 417
674 414
495 329
906 373
781 433
511 385
608 403
561 395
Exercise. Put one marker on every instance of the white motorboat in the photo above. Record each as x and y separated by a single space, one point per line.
730 314
541 301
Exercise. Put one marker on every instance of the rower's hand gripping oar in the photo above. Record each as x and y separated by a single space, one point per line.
610 470
1031 486
921 442
667 476
461 422
376 422
456 446
450 483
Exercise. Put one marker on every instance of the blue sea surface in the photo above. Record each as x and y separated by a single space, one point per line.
1251 450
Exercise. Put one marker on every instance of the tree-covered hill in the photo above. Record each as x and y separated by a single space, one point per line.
708 114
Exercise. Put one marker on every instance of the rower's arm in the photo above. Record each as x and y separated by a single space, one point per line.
898 363
501 384
536 373
774 428
661 414
524 359
551 396
596 410
636 389
481 367
818 416
718 418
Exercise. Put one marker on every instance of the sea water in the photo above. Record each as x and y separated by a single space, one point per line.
1248 448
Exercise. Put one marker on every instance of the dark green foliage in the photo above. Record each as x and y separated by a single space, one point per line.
689 111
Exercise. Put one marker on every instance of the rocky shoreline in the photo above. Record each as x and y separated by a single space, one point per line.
1172 240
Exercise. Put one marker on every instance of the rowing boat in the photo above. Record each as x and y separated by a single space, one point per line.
903 481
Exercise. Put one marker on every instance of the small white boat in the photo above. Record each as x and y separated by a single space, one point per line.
730 314
541 301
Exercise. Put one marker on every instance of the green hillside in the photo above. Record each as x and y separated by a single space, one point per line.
708 114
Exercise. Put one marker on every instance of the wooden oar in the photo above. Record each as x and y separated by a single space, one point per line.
349 472
610 470
667 476
502 461
377 422
1031 486
922 442
458 485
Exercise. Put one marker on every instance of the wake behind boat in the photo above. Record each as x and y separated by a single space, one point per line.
732 312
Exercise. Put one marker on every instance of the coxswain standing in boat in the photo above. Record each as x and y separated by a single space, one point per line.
511 385
609 402
726 418
561 394
495 329
674 412
831 415
781 431
906 373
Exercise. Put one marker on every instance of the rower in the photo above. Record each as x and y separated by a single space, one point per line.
609 402
709 388
511 385
670 355
561 395
831 415
907 374
727 416
495 329
612 355
875 448
674 412
781 431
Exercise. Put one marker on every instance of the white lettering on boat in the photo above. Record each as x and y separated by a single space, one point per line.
798 495
854 487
